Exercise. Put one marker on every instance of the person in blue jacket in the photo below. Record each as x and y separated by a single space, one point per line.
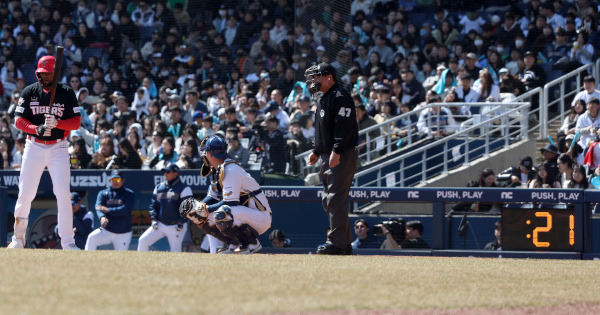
83 220
113 205
164 211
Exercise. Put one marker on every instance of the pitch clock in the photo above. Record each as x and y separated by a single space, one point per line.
538 229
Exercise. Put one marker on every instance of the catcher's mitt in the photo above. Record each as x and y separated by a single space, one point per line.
194 210
206 169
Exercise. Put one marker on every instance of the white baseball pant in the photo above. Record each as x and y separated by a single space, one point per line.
214 243
258 220
152 236
101 236
36 157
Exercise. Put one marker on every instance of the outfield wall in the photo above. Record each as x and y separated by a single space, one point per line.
298 211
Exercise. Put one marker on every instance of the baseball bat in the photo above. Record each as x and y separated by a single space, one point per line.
57 65
55 77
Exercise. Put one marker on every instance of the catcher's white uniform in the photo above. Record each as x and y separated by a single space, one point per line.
242 189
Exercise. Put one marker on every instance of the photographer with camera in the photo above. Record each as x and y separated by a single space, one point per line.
394 231
411 238
364 239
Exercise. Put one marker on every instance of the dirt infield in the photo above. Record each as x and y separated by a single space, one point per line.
579 309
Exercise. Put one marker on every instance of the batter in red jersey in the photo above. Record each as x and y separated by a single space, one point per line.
47 127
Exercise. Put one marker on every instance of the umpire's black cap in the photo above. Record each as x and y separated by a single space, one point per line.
327 69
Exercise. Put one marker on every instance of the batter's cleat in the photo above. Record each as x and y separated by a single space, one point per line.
228 250
329 249
249 249
16 243
70 246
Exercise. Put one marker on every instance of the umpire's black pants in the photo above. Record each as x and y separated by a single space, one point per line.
336 187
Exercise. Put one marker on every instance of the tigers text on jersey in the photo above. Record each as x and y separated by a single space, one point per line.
336 128
34 104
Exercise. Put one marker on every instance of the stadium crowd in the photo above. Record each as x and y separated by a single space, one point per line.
154 76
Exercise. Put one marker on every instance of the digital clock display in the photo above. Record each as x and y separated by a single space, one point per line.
538 229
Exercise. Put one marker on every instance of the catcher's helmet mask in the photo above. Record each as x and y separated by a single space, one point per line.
217 147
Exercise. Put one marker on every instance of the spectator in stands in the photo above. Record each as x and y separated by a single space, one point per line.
154 143
509 30
569 123
581 53
447 81
413 92
579 178
127 158
143 15
273 144
487 179
364 239
565 170
278 239
554 19
17 157
446 34
9 76
436 121
532 75
166 154
80 159
134 138
545 177
497 243
557 51
5 155
522 174
588 124
274 110
362 56
470 66
472 21
101 158
589 91
485 87
237 152
464 93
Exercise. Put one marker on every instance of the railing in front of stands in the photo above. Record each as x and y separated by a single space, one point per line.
561 89
401 131
502 124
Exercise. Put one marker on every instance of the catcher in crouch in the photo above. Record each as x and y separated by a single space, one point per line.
235 211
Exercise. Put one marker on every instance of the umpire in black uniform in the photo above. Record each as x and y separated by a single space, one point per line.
336 139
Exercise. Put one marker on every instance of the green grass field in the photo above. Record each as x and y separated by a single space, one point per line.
108 282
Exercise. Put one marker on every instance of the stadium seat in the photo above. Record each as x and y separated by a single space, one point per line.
551 74
28 70
91 51
146 33
418 18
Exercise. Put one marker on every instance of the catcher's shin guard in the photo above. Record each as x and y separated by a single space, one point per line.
214 231
247 234
224 222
